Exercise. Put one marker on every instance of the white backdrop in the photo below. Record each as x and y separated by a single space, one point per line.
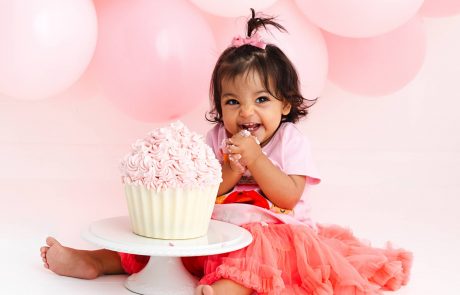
390 166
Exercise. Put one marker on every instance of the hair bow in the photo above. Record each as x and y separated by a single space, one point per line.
254 40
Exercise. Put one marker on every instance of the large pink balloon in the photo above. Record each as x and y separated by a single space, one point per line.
154 58
359 18
45 46
378 65
232 8
303 44
440 8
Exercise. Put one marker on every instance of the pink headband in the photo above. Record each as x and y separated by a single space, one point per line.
254 40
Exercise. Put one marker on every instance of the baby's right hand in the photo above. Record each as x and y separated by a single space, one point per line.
235 163
245 146
232 159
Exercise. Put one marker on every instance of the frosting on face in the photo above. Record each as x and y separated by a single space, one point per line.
171 157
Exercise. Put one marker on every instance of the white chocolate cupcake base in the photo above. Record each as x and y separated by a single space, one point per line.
170 214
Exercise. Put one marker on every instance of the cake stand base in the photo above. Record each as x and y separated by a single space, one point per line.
164 273
161 276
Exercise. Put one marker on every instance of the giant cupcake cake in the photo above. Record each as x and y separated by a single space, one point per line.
171 178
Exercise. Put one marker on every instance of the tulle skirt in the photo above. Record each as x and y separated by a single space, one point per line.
295 259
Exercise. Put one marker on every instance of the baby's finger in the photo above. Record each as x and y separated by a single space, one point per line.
236 166
234 157
239 139
233 149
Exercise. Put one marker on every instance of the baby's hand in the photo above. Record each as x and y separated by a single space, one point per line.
231 159
235 163
244 147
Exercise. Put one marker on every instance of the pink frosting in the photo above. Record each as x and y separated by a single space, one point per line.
171 157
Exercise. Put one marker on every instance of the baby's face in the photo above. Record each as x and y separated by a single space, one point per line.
247 104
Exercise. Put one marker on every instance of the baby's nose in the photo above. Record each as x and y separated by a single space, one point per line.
246 110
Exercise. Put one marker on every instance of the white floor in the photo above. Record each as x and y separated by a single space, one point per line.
410 199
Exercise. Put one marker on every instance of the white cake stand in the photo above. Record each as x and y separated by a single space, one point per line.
164 273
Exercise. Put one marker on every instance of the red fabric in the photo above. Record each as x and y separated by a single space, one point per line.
247 197
133 263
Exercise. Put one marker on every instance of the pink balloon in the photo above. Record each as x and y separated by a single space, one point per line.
154 59
232 8
440 8
45 46
378 65
359 18
224 29
303 44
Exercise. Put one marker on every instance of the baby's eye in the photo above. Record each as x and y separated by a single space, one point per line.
231 102
262 99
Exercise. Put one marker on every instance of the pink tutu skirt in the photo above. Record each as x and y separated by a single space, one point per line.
295 259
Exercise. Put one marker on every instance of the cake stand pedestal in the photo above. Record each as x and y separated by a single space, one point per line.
164 273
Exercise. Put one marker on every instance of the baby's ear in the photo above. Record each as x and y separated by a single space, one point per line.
286 108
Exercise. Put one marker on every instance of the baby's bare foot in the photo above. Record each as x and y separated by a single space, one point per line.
69 262
204 290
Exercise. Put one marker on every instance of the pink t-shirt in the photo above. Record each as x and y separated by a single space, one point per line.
290 151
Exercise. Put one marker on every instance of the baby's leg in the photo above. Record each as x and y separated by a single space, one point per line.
81 264
222 287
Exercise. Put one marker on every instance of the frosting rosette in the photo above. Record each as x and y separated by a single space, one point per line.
171 157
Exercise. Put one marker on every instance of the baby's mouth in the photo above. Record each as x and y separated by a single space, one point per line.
251 127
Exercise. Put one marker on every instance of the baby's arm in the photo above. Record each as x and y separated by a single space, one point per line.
283 190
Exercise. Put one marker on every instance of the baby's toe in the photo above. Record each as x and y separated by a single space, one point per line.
50 241
207 290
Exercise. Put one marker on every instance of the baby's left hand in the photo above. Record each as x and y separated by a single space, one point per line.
244 147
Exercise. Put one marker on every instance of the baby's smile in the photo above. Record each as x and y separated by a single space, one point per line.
251 127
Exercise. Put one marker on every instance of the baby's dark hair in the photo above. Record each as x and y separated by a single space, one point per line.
272 65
